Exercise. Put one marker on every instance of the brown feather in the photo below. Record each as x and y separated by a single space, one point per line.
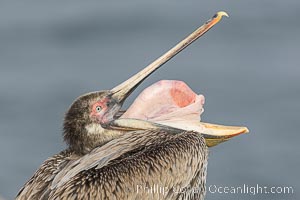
43 177
155 158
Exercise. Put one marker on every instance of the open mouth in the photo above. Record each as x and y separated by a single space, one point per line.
169 105
174 104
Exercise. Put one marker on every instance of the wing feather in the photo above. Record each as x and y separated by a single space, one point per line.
174 165
43 177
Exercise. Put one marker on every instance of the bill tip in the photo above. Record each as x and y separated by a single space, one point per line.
222 13
246 130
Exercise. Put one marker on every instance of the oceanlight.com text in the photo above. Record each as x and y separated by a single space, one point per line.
250 189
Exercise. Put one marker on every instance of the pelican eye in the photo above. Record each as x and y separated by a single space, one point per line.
98 108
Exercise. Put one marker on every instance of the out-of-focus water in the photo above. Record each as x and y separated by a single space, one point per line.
247 67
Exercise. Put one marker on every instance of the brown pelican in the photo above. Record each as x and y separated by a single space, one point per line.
157 149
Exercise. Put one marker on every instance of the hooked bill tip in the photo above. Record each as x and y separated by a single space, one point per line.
222 13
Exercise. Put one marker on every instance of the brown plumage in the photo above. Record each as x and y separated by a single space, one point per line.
43 177
151 159
121 158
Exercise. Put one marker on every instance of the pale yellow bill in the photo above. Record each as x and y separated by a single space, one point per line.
214 134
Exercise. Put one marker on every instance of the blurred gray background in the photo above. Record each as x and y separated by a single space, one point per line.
247 67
